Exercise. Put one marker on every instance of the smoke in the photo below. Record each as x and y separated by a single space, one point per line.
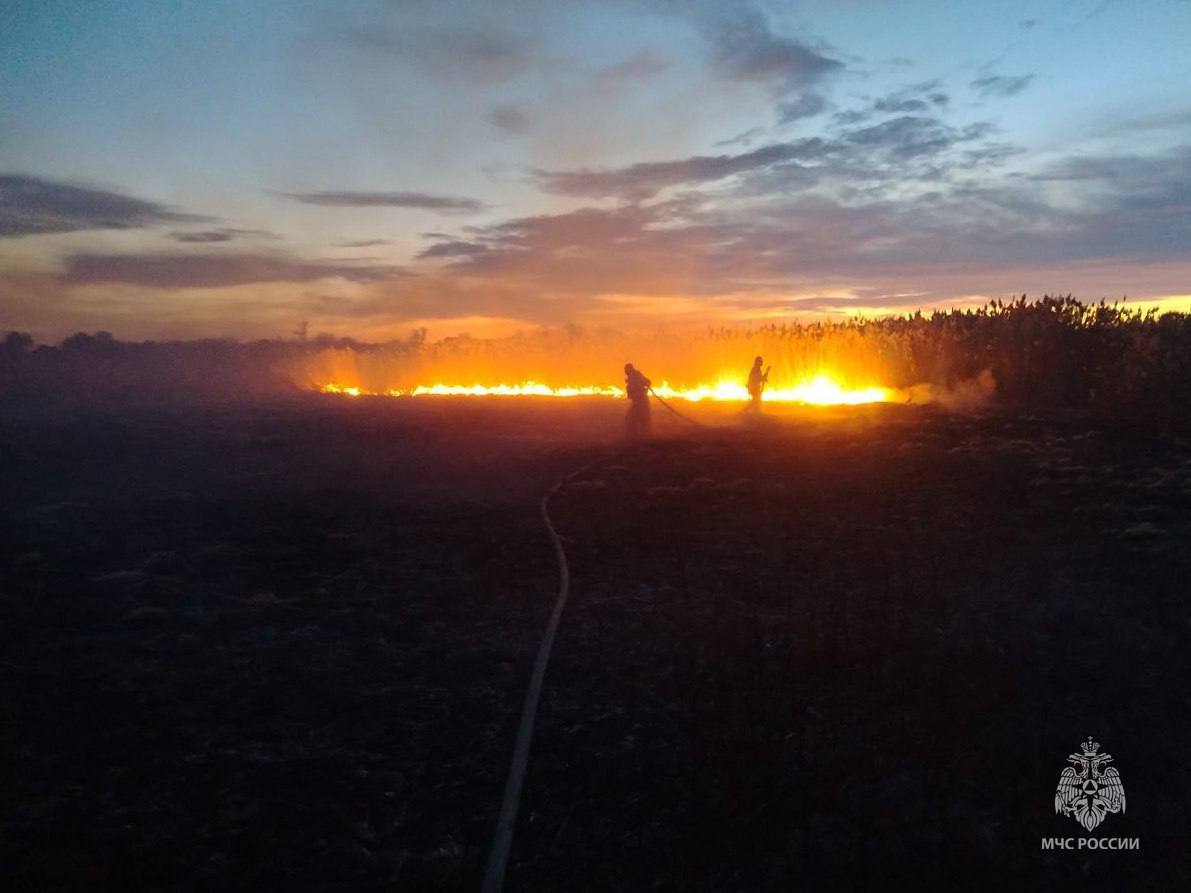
964 395
570 356
969 395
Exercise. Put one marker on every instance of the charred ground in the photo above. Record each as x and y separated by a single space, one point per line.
284 645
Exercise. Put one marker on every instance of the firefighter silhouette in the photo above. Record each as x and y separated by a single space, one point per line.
636 387
757 382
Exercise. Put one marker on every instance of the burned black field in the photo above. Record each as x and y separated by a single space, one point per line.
284 646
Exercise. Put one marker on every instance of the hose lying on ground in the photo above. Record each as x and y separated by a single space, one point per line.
502 839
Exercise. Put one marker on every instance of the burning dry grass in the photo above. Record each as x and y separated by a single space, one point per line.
839 366
1055 352
820 391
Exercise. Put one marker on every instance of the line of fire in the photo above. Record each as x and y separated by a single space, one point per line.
819 391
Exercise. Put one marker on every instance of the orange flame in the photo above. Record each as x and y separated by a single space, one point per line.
819 391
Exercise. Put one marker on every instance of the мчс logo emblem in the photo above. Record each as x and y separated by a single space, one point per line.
1090 789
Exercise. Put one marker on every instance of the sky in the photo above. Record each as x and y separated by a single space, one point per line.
220 169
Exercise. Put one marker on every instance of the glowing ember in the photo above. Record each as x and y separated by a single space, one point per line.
820 391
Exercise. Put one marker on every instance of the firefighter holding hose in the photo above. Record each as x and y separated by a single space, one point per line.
636 387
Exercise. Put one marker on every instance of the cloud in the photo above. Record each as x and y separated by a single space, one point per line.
351 199
990 155
745 48
1177 123
1129 173
1122 221
32 206
917 98
363 243
744 138
959 238
173 271
911 136
509 119
222 234
453 248
900 105
646 178
882 151
1001 86
1128 204
805 105
640 66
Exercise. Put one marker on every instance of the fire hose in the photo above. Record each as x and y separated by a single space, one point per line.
502 838
683 416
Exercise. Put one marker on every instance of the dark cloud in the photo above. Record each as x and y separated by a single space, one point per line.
351 199
991 154
364 243
901 148
961 236
510 119
853 116
32 206
171 271
1001 85
647 178
912 136
805 105
746 48
223 234
744 138
1128 173
1133 205
214 235
912 99
453 248
1178 123
900 105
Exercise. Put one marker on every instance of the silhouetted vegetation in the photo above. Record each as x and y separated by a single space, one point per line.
1055 353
